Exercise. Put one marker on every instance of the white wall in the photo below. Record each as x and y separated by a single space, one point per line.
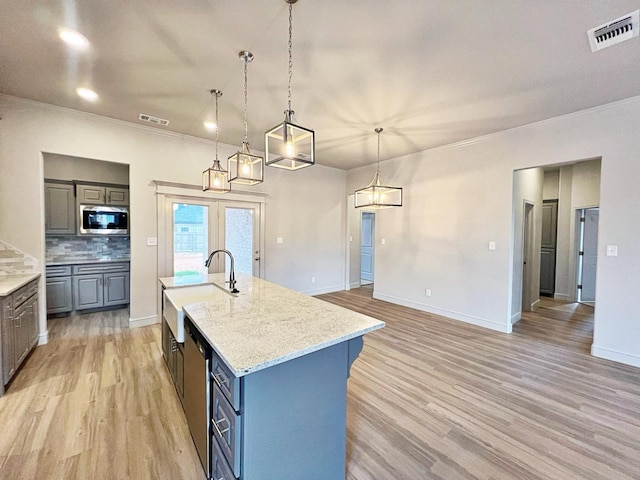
64 167
307 208
459 197
551 186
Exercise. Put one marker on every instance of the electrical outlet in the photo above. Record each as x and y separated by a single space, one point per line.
279 240
152 241
427 292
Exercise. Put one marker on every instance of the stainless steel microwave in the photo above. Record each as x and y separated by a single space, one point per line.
104 220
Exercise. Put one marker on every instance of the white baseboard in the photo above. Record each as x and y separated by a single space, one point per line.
561 296
354 285
534 305
481 322
143 322
43 338
621 357
516 318
320 291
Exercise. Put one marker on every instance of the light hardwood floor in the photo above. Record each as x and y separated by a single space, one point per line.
432 398
429 398
96 402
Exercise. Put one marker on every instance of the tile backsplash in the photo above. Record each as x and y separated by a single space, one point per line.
15 262
72 249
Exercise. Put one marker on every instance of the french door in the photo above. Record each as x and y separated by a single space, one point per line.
198 227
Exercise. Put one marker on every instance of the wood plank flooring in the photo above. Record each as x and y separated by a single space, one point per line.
96 402
429 398
433 398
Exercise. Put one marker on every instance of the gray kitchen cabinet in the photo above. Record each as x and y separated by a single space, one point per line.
60 208
59 289
100 285
173 353
8 357
19 327
549 233
88 291
102 195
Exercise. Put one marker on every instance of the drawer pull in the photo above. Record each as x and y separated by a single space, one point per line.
221 432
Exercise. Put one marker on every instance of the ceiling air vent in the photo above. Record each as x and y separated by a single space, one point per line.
613 32
151 119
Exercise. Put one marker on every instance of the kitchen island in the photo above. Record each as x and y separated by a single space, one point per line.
279 363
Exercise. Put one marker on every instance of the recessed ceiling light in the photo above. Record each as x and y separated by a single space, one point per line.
87 94
211 126
73 38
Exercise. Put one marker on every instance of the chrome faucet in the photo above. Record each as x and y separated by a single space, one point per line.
232 274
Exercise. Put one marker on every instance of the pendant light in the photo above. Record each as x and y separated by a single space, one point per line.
215 177
289 145
244 167
377 195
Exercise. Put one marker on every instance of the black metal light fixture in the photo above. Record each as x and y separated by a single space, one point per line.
215 177
245 167
289 145
377 195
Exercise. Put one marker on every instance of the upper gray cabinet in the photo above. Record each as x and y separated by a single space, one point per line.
101 195
60 208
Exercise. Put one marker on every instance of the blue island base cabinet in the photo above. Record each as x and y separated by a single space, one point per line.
291 420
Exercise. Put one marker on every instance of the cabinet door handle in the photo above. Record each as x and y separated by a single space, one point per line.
215 425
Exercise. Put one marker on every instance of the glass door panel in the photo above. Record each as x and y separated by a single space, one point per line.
190 238
240 236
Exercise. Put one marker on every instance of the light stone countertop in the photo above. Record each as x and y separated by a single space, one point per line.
267 324
11 283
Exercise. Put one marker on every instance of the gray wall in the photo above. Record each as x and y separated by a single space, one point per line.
65 167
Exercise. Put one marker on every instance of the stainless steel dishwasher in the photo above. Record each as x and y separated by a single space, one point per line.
197 354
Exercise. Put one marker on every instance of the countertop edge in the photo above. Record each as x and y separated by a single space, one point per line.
19 281
291 356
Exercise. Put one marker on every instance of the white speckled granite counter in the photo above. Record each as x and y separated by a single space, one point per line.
11 283
266 324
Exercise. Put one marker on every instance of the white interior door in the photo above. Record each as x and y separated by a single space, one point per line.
527 244
589 256
367 236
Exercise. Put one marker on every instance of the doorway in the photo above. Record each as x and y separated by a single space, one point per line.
587 255
527 264
367 242
199 227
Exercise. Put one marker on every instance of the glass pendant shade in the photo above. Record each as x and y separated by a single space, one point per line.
215 179
244 167
377 195
290 146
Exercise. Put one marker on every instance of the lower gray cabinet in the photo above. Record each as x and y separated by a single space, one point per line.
59 288
100 285
173 353
19 328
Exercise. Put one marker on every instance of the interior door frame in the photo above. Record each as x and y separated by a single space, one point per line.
373 246
579 270
528 237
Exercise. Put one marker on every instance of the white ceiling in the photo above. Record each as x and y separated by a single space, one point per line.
431 72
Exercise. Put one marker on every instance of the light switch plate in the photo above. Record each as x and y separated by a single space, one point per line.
612 250
383 241
492 245
279 240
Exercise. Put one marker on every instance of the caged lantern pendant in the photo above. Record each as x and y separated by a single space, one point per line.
214 179
289 145
377 195
245 167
